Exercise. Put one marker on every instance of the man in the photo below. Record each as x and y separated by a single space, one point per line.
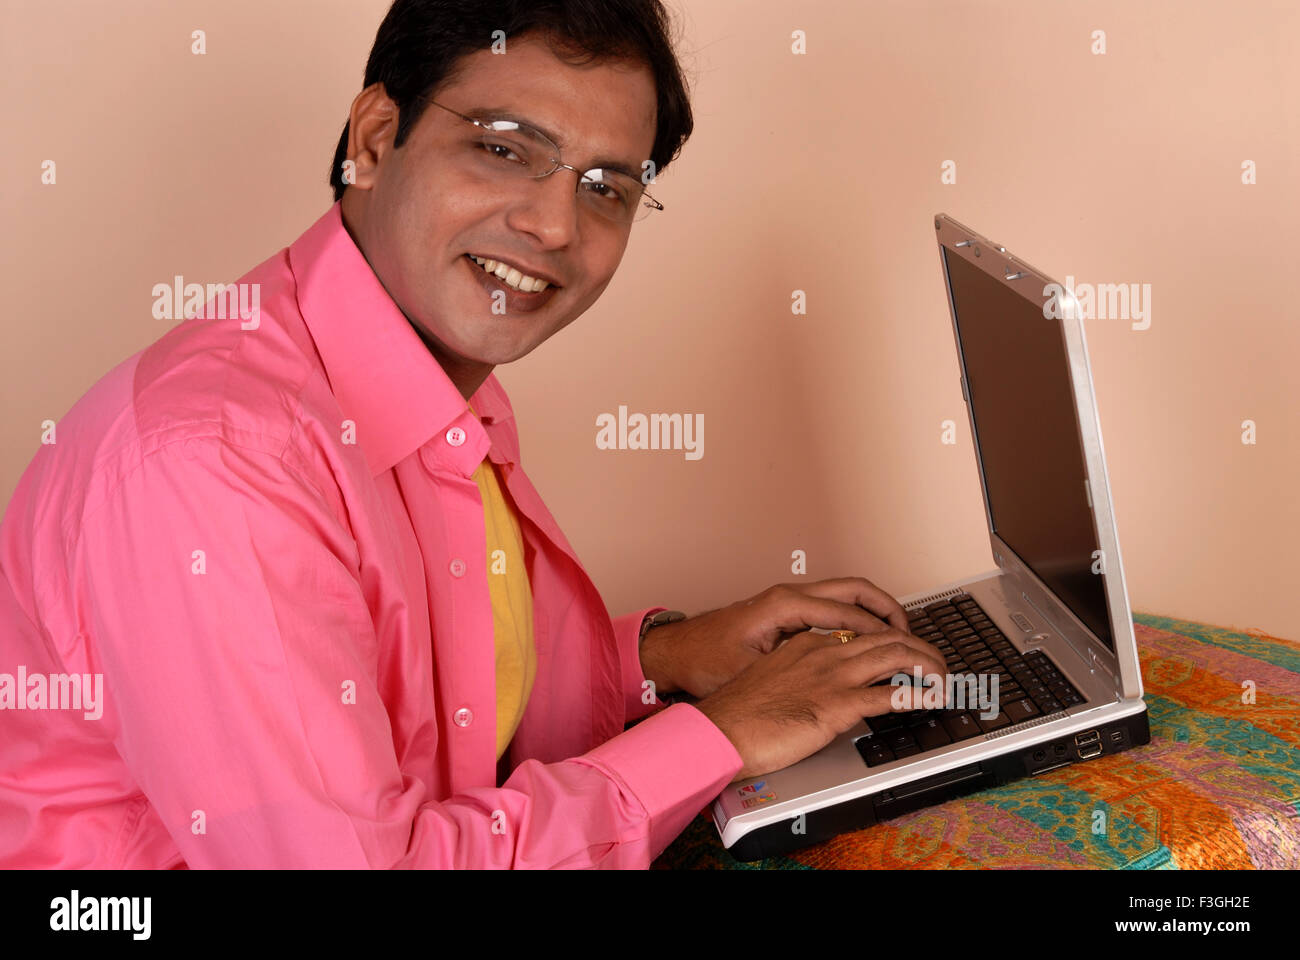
334 622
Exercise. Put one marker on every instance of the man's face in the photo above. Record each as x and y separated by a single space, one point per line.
415 213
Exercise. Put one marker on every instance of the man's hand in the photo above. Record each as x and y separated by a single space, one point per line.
792 702
700 654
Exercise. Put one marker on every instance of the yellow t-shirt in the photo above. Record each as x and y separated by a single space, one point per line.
512 604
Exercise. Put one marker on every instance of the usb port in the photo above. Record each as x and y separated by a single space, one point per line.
1088 744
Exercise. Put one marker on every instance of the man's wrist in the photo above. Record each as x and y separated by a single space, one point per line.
656 631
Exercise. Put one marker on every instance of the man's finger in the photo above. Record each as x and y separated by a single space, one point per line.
856 591
881 655
883 659
800 611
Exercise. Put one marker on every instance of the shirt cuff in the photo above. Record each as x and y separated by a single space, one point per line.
675 764
627 630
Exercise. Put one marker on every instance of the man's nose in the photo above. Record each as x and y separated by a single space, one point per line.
550 209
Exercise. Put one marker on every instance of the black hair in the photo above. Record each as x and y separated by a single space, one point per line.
421 43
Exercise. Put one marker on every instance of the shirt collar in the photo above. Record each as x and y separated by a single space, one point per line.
384 377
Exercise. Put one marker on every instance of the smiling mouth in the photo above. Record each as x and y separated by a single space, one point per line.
516 302
509 276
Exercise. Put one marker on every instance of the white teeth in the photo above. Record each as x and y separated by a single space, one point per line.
511 276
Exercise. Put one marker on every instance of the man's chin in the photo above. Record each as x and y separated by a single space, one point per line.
491 354
502 355
458 351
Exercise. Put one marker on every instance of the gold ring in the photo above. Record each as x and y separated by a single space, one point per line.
844 635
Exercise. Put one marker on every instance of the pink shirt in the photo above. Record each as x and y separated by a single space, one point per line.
294 631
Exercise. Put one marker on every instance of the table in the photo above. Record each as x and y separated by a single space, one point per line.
1218 786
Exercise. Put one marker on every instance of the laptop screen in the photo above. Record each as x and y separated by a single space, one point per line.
1027 437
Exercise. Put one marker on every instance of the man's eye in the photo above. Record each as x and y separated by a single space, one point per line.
606 192
502 152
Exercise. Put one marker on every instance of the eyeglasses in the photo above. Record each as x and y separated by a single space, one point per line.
517 151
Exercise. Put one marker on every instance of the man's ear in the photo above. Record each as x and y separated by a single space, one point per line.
372 127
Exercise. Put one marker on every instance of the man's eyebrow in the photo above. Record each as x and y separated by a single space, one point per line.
504 113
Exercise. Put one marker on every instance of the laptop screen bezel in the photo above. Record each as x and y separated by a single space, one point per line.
1027 282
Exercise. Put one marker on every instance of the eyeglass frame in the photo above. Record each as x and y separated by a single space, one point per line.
582 175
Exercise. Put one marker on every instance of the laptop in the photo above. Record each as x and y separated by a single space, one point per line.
1042 658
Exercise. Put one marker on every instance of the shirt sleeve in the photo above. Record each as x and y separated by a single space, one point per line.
224 604
638 698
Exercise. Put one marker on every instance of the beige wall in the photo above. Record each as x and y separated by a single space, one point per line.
818 173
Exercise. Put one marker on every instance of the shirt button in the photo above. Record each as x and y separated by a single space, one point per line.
455 436
457 567
463 717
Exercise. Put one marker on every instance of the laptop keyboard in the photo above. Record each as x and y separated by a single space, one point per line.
1029 685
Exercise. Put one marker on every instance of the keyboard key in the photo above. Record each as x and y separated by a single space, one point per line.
931 735
995 723
898 740
885 722
1019 710
1049 705
874 753
960 726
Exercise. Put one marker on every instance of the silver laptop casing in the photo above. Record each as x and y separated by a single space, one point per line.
1014 598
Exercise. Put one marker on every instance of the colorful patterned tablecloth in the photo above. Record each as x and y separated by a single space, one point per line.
1218 786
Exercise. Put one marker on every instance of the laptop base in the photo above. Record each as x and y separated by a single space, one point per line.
817 826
